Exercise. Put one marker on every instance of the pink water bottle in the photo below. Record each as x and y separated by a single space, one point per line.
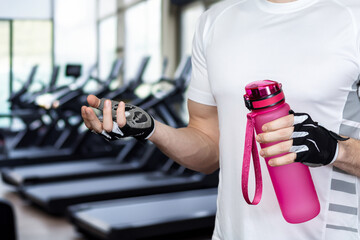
292 183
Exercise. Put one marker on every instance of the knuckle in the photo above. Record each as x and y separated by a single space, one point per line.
292 156
290 119
95 129
269 126
120 119
91 116
284 147
119 109
275 162
121 122
265 152
289 158
108 128
263 137
284 133
259 138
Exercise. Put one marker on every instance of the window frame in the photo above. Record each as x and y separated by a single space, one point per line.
11 45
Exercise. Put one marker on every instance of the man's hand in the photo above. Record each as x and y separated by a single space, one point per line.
117 119
301 138
279 130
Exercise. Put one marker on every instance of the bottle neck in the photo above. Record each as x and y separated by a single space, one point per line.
268 109
264 102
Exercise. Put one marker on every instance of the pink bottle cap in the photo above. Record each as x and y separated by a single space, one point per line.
262 94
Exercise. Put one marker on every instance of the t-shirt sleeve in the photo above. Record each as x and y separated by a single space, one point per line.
199 88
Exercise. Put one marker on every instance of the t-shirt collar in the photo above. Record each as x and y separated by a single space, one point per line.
288 7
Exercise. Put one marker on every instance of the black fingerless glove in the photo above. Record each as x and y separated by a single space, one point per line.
139 124
313 144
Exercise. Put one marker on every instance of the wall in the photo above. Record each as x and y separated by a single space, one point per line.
25 9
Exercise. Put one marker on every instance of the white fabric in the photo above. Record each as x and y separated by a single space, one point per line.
298 149
312 48
300 119
299 134
116 129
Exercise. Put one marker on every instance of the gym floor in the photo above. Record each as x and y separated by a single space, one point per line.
33 224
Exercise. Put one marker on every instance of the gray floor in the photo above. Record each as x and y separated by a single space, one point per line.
32 224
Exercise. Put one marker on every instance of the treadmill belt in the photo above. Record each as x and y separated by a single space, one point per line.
62 171
55 197
148 216
127 161
33 152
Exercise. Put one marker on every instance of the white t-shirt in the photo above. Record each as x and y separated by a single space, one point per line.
312 48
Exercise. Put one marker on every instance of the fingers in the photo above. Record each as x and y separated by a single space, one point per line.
107 116
93 123
120 115
283 160
279 130
276 149
283 122
93 101
83 115
275 136
90 119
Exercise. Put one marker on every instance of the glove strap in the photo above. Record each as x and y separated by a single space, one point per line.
251 149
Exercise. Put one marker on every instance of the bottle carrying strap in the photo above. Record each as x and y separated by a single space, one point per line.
251 149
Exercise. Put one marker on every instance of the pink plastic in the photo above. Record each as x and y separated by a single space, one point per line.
292 183
260 89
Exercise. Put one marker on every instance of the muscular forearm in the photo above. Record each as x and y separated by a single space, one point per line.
349 156
195 147
188 146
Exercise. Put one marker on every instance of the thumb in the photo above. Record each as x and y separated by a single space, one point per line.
93 101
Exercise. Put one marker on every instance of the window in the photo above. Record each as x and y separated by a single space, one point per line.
106 7
23 44
20 9
25 40
107 45
189 17
75 34
4 68
32 45
142 37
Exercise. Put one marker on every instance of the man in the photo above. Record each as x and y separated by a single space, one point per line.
312 48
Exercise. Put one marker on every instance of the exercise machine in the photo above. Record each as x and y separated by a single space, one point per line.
146 216
133 157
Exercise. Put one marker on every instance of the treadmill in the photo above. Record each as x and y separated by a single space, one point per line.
133 157
66 108
62 104
39 124
146 216
15 98
32 114
15 104
27 100
69 139
171 177
55 197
